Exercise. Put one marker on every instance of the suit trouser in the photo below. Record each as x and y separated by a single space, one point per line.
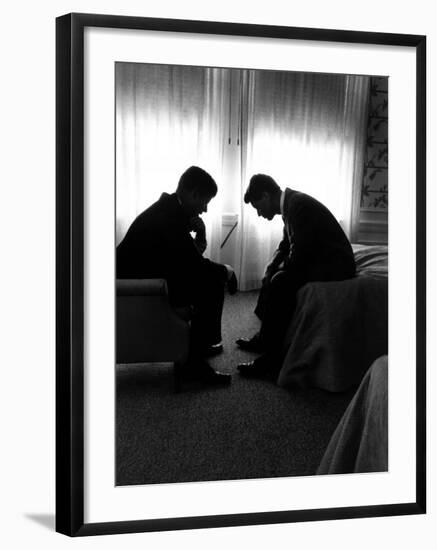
205 295
277 305
206 323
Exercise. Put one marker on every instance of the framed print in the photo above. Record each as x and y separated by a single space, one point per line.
195 387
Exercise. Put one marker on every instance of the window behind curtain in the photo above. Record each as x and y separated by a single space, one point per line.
306 130
167 119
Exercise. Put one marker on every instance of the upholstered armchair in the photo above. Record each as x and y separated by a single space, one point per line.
149 329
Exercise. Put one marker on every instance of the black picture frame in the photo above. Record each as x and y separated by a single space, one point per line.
70 273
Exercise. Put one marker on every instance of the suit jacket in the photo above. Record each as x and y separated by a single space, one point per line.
158 244
314 246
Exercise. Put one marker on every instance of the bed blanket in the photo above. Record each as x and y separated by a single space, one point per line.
339 328
371 261
337 331
360 441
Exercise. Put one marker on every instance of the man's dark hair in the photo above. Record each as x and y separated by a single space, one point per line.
198 180
259 184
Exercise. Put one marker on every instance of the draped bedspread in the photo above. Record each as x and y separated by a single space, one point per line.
360 441
339 328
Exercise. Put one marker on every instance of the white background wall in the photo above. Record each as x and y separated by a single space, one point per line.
27 122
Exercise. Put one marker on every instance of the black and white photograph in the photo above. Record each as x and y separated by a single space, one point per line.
218 300
251 273
240 274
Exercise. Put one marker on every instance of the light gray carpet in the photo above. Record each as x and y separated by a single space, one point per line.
252 429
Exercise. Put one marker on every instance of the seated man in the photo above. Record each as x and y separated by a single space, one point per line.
314 248
159 244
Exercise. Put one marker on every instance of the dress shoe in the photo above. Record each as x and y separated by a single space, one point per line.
250 344
254 369
212 350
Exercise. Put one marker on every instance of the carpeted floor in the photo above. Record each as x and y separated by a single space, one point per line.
252 429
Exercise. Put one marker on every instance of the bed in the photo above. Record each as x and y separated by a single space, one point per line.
339 328
360 441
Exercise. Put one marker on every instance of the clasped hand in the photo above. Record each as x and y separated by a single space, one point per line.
197 225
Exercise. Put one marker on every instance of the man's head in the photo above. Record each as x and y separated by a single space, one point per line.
195 189
264 194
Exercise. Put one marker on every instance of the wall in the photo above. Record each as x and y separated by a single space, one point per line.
374 194
28 280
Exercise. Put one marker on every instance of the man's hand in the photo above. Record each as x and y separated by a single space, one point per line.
198 227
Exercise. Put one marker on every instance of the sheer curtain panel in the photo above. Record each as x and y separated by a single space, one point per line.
167 119
308 132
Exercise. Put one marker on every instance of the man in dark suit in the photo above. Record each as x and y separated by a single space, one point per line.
314 248
159 244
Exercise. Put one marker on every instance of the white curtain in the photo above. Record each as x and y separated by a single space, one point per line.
167 119
308 132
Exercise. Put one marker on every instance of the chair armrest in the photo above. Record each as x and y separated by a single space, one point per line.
142 287
148 328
